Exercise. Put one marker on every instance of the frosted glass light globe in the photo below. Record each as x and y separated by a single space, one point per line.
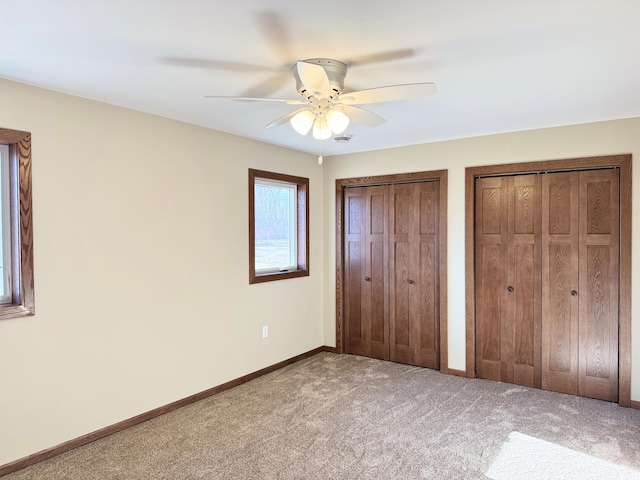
338 121
302 122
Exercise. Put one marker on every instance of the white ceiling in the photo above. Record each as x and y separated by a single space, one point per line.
499 65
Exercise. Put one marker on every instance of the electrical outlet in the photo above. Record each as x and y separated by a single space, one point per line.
265 331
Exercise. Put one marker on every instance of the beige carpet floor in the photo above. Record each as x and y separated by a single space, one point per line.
348 417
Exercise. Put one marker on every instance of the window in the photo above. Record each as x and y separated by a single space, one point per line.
275 226
16 235
5 227
278 226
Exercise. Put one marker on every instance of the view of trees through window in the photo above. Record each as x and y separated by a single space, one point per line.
5 227
275 225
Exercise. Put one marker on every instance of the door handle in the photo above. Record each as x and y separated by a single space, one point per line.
409 281
366 279
573 293
510 288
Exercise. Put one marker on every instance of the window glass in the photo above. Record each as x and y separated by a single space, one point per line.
5 227
16 225
278 226
275 226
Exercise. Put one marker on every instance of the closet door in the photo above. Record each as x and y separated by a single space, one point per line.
560 316
525 259
366 272
491 277
547 269
598 284
580 277
508 293
414 274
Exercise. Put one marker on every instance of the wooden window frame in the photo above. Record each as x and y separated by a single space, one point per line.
302 223
22 303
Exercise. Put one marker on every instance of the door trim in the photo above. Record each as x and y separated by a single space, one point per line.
341 184
621 161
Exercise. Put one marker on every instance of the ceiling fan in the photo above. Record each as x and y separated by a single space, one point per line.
326 109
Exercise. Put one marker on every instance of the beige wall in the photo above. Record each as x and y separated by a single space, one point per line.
604 138
141 274
141 269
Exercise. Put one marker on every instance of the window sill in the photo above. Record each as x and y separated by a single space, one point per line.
14 311
272 276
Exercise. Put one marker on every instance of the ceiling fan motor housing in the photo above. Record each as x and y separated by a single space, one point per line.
336 71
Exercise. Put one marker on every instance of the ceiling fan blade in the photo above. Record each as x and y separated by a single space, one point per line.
284 119
259 99
380 57
314 78
216 64
268 87
276 34
362 116
388 94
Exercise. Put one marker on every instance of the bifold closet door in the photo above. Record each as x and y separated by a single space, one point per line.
366 264
599 265
391 272
560 316
414 273
508 291
547 269
580 283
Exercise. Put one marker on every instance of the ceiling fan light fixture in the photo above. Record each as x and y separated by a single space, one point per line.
321 129
302 122
326 112
338 121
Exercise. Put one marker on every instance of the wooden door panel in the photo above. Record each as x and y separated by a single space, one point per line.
400 296
594 327
354 265
489 307
560 327
526 198
526 355
400 222
376 212
596 200
429 208
428 313
400 209
353 303
377 288
426 274
491 276
559 278
354 212
524 257
366 309
560 203
376 234
414 216
508 257
598 291
492 201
